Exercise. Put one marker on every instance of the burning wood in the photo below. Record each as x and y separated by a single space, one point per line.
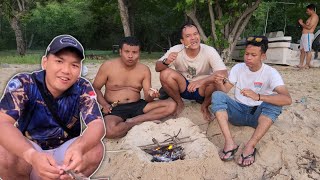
166 151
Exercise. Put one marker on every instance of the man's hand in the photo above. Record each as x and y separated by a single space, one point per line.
250 94
300 21
72 160
219 79
44 164
192 87
153 93
172 57
106 109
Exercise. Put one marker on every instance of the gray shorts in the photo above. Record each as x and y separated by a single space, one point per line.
57 153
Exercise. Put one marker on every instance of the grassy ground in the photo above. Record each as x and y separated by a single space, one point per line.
34 56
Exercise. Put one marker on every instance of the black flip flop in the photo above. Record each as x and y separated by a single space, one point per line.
249 156
232 151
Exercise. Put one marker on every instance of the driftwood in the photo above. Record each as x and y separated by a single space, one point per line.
166 143
118 150
155 145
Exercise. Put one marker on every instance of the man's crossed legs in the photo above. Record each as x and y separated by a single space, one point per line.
124 116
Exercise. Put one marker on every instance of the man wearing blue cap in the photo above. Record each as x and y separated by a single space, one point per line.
41 112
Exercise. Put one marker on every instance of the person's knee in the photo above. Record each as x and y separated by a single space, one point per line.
13 164
164 74
93 159
98 154
219 101
271 111
110 132
218 95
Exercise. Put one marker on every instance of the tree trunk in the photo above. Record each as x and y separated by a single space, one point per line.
15 24
192 15
169 41
131 12
249 10
237 30
212 19
30 41
227 53
218 9
124 17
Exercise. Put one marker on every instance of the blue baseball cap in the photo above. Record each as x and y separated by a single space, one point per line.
65 41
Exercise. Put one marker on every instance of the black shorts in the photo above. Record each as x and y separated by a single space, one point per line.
128 110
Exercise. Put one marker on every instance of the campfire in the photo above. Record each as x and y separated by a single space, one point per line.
167 150
166 153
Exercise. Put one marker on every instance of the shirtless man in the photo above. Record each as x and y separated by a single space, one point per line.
124 78
307 36
193 63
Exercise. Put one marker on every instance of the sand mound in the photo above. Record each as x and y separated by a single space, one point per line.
199 151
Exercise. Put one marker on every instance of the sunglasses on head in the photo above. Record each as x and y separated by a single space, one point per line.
254 39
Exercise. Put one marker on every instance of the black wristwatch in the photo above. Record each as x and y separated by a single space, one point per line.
164 62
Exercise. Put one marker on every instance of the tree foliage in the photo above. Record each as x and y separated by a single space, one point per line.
97 23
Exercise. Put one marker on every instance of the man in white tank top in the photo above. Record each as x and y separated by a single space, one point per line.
259 94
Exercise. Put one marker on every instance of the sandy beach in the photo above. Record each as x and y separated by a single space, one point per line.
289 150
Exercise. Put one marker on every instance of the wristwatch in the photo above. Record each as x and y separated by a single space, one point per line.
164 62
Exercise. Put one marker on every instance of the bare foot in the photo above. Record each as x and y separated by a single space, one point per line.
179 109
206 113
247 156
306 67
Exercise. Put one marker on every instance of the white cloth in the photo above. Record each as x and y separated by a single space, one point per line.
306 41
263 81
205 63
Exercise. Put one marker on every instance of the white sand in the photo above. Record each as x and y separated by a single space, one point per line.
290 149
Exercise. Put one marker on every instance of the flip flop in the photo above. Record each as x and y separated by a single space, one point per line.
249 156
298 66
232 151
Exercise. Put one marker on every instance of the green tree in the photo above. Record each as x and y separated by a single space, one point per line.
54 18
14 10
157 23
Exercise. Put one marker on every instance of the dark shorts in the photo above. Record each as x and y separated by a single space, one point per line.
129 110
192 95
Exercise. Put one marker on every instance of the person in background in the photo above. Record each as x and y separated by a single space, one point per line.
307 37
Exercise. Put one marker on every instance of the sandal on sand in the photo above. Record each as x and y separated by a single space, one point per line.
247 157
298 66
232 151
